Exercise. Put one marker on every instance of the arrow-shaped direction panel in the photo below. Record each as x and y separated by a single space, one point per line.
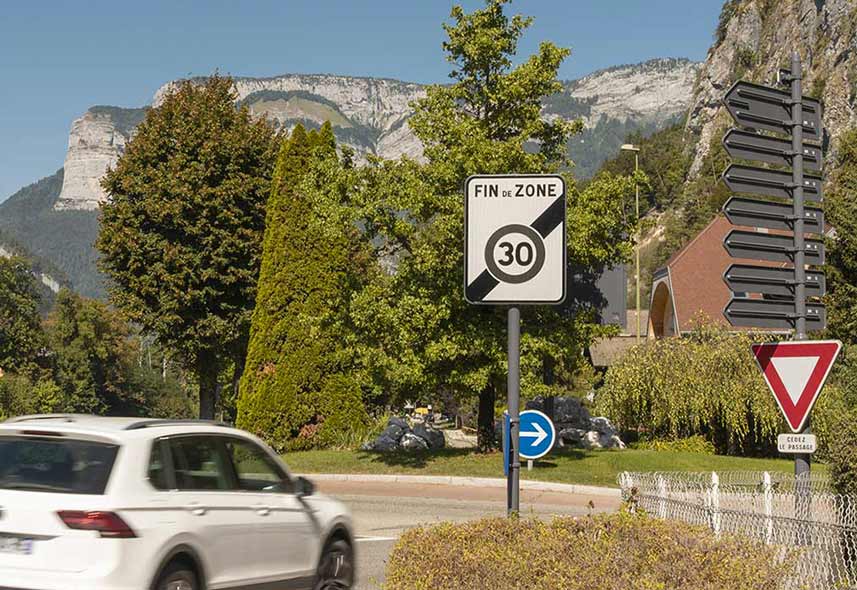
537 435
763 107
752 213
773 247
746 145
773 315
770 183
745 278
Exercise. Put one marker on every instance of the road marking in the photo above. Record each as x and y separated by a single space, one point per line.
375 539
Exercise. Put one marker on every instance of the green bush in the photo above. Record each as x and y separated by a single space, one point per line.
842 459
692 444
620 552
704 384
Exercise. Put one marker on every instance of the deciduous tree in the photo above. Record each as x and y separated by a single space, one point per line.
181 235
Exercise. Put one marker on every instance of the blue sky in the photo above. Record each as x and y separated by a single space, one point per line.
59 57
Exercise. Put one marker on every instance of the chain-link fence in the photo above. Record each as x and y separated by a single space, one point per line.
801 515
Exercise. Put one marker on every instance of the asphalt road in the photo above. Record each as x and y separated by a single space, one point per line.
383 511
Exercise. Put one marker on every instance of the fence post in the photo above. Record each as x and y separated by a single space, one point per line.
715 503
767 489
662 496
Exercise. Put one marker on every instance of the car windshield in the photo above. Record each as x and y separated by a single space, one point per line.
58 465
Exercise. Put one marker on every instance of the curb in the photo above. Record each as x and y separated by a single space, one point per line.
479 482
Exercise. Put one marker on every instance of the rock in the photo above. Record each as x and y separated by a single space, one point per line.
434 438
602 425
568 412
571 436
594 440
400 422
394 431
412 442
382 444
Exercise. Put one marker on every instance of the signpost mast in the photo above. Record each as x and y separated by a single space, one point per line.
802 461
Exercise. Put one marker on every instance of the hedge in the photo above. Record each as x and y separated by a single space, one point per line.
620 552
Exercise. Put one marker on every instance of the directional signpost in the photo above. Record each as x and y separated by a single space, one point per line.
782 298
515 254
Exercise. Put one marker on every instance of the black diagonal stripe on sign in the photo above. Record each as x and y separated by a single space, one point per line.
549 220
484 284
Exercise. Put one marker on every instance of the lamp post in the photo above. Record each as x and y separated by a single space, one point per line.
632 148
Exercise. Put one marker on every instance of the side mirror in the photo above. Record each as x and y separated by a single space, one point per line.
304 487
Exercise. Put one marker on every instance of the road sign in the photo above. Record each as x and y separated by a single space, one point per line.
771 247
796 443
752 213
746 145
538 434
770 183
515 251
773 315
795 372
766 280
762 107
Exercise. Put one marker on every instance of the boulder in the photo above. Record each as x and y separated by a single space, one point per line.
593 440
382 444
412 442
602 425
571 436
394 431
568 412
400 422
434 438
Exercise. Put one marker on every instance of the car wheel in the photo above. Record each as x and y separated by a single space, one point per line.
336 567
177 577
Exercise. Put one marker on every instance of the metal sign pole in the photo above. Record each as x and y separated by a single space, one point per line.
513 386
802 462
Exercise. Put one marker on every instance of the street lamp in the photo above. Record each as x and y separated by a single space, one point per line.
633 148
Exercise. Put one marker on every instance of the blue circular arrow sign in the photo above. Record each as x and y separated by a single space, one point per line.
537 435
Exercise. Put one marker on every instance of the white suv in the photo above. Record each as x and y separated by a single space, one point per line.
90 503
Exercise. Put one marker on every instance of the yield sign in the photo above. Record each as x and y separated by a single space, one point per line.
795 373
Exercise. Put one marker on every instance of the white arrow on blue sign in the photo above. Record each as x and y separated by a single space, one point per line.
537 435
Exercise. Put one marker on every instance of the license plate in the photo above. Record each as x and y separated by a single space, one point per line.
16 545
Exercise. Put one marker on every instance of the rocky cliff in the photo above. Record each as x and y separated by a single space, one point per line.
371 115
755 38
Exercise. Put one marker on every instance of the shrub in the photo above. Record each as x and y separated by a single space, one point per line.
705 384
621 552
692 444
842 458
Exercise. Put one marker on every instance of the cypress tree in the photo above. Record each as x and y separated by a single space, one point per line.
295 391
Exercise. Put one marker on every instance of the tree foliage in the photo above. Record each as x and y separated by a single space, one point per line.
298 389
181 235
21 337
704 384
421 338
841 213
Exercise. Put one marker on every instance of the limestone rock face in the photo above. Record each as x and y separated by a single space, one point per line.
655 90
756 40
371 115
94 145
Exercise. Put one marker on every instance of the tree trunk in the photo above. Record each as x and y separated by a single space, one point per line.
485 419
206 373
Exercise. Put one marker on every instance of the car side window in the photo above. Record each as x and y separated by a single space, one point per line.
254 468
200 463
157 470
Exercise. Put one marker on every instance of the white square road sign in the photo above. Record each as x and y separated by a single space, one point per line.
515 251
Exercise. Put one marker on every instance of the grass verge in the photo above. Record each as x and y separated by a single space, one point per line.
599 468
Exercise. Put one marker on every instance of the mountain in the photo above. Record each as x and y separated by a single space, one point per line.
56 218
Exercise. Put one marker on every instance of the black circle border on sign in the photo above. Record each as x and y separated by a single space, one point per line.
515 228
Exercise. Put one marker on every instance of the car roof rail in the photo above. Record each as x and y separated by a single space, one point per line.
34 417
154 422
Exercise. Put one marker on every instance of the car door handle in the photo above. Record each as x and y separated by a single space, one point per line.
263 510
196 509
